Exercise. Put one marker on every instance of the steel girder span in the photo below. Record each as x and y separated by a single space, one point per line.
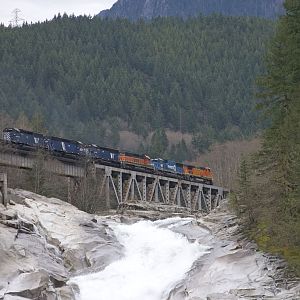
118 187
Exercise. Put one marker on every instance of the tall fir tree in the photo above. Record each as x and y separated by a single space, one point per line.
277 165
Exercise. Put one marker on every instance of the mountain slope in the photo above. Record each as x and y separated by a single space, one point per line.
91 78
148 9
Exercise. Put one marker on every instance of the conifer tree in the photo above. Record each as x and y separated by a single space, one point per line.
159 143
277 165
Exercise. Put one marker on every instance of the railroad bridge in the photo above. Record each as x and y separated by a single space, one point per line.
120 186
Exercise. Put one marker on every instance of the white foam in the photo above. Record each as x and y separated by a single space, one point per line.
155 260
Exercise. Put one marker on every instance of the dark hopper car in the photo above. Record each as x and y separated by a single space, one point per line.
36 140
23 137
64 146
102 153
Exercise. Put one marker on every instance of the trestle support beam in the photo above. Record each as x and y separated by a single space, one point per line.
121 186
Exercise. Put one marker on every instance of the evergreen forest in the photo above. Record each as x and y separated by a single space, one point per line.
88 78
268 197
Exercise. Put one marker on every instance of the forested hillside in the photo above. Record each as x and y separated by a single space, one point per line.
148 9
89 78
268 196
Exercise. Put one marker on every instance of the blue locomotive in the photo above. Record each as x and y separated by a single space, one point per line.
166 165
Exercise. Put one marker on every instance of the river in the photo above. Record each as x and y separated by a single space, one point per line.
155 260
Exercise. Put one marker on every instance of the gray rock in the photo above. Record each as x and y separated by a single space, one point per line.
29 285
65 293
233 269
10 297
44 241
16 199
103 255
8 214
148 9
221 296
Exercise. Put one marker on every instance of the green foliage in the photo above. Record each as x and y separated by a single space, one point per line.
203 138
37 123
84 74
159 143
276 168
244 177
246 199
180 151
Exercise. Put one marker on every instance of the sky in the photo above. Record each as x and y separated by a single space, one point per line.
40 10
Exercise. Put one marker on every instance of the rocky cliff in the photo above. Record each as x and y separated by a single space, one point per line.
148 9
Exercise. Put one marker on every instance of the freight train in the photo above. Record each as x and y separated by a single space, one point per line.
28 140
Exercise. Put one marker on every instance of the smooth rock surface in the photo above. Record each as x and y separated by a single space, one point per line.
149 9
45 241
233 269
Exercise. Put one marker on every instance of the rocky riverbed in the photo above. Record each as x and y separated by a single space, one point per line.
45 242
234 268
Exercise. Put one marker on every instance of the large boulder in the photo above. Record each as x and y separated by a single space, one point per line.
32 285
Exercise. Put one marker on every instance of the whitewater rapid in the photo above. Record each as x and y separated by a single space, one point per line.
155 260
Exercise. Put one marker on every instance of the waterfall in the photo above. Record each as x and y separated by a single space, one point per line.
155 260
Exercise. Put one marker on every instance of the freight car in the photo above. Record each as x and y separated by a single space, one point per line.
32 140
24 138
102 153
64 147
